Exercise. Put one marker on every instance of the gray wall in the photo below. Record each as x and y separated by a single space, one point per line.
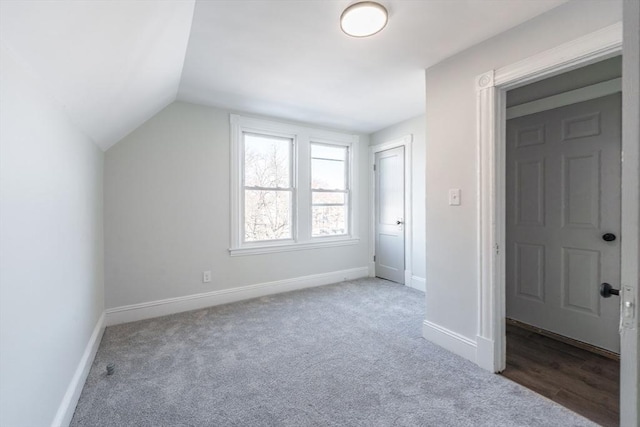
591 74
452 155
167 214
51 287
415 127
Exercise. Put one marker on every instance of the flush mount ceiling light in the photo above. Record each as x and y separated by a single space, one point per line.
363 19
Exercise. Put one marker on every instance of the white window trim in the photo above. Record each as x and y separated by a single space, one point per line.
301 224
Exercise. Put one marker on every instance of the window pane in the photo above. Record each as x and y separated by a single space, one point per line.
328 174
267 215
329 221
267 161
323 198
331 152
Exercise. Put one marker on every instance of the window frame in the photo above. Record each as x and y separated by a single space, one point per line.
301 215
347 192
291 188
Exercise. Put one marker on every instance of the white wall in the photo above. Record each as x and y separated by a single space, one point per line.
167 214
452 158
51 287
416 127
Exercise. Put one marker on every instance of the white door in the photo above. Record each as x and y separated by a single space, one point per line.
389 214
563 196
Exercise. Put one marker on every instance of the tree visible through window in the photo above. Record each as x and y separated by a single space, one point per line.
329 190
268 190
291 187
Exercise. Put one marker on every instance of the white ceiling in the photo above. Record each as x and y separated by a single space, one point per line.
114 64
111 64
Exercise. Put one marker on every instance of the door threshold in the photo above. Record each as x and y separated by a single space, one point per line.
570 341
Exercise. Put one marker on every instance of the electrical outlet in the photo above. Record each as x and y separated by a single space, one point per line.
454 197
206 276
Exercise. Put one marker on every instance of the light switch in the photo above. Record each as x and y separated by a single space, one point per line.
454 197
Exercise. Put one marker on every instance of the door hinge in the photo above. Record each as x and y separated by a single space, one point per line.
374 258
497 249
374 168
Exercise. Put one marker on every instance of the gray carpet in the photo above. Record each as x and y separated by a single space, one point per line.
349 354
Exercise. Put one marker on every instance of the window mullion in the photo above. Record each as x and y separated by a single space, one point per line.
304 187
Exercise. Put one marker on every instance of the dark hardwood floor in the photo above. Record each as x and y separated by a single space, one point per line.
585 382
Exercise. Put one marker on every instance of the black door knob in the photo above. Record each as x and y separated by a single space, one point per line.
608 237
606 290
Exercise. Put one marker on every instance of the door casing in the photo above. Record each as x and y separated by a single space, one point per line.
406 142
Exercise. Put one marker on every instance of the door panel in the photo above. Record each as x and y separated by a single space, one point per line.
581 126
530 192
529 271
533 135
389 206
581 270
581 188
563 194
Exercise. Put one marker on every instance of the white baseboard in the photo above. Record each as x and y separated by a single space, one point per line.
485 357
419 283
452 341
148 310
70 400
407 278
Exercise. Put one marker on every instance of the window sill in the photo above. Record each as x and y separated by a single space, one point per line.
288 247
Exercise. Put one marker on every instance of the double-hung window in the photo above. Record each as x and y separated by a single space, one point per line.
329 190
268 187
292 187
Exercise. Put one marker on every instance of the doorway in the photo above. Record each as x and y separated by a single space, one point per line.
562 219
391 210
491 101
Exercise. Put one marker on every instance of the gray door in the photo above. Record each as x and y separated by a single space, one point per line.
389 214
563 195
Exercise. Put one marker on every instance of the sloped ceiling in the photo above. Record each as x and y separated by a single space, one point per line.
111 64
114 64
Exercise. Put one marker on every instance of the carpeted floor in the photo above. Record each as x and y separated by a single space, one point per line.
350 354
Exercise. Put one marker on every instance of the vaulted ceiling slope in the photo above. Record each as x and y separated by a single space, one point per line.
114 64
111 64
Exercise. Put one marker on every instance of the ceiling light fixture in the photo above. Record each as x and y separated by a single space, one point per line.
363 19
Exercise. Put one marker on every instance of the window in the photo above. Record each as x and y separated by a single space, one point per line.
329 190
268 189
292 187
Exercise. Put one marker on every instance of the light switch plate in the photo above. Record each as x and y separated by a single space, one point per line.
454 197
